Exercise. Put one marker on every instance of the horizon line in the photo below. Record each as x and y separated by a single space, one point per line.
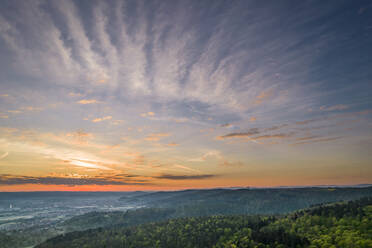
363 185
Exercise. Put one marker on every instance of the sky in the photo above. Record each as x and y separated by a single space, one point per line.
168 95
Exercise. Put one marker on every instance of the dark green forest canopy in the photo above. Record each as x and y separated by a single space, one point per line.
328 225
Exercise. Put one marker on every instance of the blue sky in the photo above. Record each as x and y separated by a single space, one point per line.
217 93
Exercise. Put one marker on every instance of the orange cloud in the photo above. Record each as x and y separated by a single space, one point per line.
252 119
102 119
307 138
263 95
184 177
31 108
79 136
172 144
231 164
148 114
181 120
102 81
156 136
88 101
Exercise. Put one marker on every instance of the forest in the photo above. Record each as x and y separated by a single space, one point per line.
342 224
196 203
270 205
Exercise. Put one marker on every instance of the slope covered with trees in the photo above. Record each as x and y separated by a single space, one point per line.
245 201
333 225
194 203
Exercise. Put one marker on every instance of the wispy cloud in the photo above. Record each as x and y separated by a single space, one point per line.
80 136
231 164
156 136
173 144
71 181
14 111
273 136
32 108
185 177
226 125
209 154
88 101
185 168
307 138
74 94
316 141
102 119
274 128
148 114
89 164
264 95
249 133
334 108
306 122
170 63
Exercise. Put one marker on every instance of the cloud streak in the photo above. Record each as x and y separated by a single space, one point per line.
156 136
70 181
102 119
185 177
334 108
87 101
316 141
249 133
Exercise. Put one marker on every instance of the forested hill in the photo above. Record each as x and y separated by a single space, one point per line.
246 201
194 203
330 225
